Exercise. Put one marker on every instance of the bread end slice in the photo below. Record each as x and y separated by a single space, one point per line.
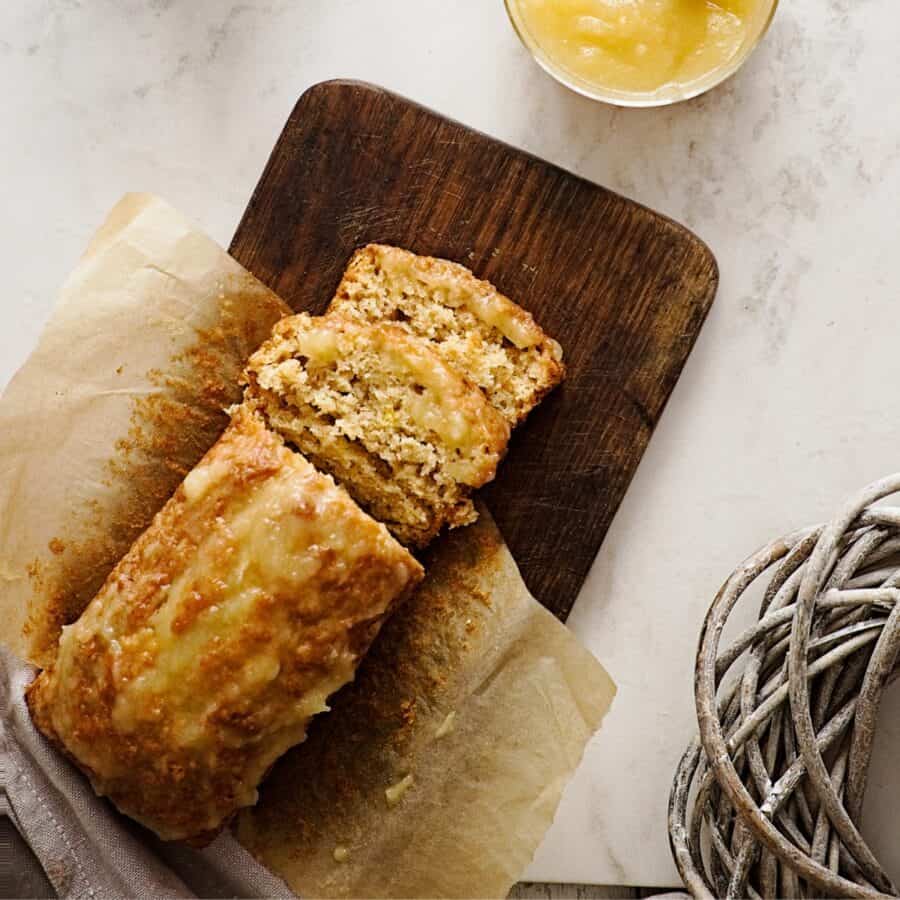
475 328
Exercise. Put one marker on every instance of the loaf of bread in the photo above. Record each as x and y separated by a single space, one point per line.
259 586
375 406
246 603
476 330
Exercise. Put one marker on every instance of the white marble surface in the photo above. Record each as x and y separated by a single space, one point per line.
791 172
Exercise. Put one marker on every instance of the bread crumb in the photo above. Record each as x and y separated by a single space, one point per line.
448 725
394 794
408 712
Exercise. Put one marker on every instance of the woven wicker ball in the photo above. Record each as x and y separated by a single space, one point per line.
767 799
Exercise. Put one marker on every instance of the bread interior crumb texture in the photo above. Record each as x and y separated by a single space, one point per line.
476 329
378 409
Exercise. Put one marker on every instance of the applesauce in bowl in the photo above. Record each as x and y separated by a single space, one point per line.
641 52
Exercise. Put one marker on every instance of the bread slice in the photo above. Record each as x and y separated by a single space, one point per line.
380 410
477 330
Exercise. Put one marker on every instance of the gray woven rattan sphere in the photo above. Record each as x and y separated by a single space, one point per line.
767 799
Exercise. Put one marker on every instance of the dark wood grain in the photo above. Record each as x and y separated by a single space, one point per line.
623 289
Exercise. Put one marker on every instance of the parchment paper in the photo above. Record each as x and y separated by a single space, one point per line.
474 697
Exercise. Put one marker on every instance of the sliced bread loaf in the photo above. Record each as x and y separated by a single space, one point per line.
248 601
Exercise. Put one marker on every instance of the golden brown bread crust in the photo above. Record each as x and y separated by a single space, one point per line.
378 408
493 341
249 599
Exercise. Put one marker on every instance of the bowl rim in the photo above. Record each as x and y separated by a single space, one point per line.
624 98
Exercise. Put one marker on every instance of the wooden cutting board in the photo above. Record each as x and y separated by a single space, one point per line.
624 290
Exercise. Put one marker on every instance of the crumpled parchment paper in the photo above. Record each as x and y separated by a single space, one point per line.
440 768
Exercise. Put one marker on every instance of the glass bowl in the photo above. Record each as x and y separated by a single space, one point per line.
663 96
